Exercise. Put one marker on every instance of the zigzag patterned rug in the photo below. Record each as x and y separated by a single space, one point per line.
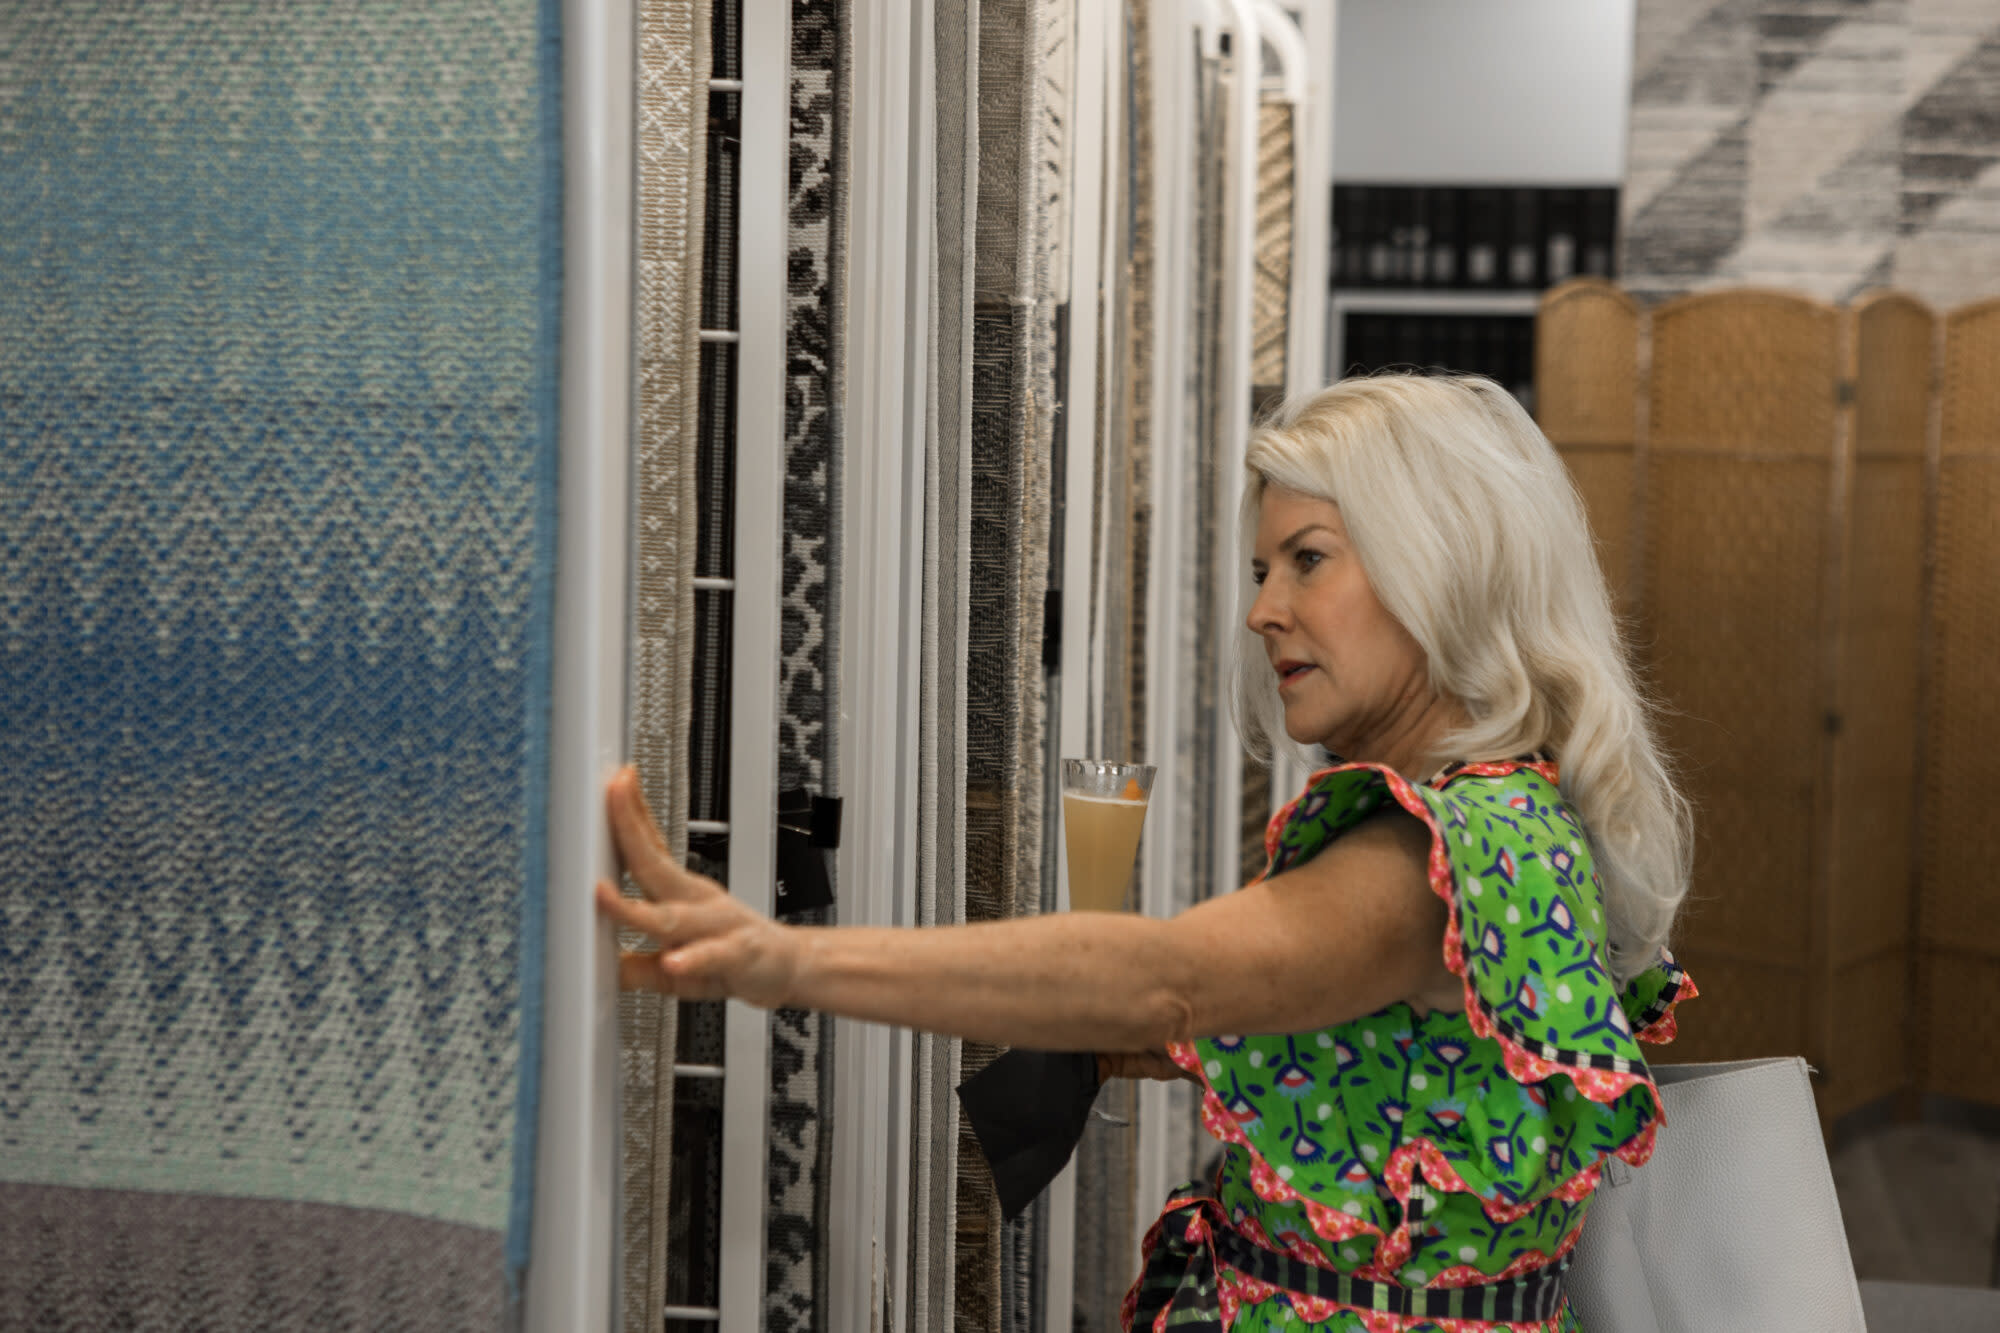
277 355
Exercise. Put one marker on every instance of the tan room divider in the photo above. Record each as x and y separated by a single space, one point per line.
1958 974
1587 396
1735 609
1872 833
1776 493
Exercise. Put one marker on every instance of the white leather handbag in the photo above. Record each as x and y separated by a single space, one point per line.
1732 1225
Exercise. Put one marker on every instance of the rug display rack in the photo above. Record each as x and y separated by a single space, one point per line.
280 620
1789 498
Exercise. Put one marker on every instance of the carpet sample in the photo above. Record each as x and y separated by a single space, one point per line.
673 60
276 540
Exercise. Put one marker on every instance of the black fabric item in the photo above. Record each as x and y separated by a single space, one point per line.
1028 1110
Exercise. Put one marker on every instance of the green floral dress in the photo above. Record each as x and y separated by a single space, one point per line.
1435 1150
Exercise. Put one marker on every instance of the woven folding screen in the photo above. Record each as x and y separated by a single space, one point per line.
1782 511
1734 595
1960 958
1871 839
1587 401
277 387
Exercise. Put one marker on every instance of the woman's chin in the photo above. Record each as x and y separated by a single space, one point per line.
1301 730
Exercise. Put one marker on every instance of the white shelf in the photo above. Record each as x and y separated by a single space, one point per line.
1433 301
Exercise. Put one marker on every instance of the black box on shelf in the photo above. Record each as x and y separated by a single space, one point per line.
1471 238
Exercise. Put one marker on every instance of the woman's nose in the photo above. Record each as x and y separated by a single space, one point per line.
1266 610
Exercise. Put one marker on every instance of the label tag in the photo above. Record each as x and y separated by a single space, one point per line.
805 881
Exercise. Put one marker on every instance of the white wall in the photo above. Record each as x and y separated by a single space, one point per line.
1467 92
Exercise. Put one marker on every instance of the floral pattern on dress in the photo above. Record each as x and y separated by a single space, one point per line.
1443 1149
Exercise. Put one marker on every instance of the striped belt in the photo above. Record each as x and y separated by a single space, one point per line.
1177 1288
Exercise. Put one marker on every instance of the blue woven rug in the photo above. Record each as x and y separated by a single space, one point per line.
277 356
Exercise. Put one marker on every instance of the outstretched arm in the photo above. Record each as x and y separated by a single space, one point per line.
1347 933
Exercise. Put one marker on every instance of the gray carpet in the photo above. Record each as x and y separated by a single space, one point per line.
1922 1208
1909 1307
1921 1203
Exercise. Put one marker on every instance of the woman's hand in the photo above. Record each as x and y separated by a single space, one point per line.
711 945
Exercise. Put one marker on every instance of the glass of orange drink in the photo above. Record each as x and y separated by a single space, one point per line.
1104 809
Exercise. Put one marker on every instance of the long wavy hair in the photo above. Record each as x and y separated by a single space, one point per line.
1474 538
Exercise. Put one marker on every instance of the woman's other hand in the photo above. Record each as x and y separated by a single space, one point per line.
711 945
1138 1064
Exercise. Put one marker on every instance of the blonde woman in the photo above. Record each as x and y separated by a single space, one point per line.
1416 1033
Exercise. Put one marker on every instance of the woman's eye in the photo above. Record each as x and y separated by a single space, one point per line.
1257 577
1307 559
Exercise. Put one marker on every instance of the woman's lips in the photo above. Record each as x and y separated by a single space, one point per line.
1290 673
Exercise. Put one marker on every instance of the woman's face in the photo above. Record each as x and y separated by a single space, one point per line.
1350 675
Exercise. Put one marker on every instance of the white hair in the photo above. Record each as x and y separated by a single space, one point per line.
1473 537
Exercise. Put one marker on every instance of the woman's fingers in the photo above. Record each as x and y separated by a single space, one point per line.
640 971
711 945
641 846
714 968
628 789
704 970
654 919
675 924
698 972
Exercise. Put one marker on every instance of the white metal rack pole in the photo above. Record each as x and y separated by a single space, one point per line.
1239 257
762 243
572 1250
891 170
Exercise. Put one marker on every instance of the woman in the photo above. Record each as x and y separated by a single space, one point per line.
1457 942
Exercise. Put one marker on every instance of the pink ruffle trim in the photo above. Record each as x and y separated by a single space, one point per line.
1236 1289
1664 1028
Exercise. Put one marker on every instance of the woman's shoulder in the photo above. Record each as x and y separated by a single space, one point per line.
1519 1099
1526 931
1459 796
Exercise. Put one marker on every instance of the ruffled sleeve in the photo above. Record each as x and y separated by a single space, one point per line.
1352 1120
1651 997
